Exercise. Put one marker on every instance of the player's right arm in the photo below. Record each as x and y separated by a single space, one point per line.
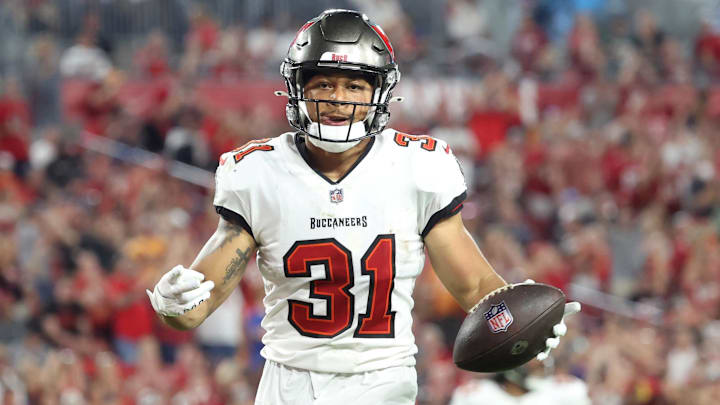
184 297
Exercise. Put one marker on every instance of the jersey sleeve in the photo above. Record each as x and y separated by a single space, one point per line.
232 193
441 186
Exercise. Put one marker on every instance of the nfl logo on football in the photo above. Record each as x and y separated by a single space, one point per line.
336 195
498 318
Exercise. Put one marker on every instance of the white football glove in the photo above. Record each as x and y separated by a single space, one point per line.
178 291
559 329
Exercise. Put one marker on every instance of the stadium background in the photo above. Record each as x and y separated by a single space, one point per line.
588 131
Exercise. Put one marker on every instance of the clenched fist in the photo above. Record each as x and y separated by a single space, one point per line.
179 290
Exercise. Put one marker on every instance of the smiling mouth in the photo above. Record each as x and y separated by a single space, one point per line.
334 120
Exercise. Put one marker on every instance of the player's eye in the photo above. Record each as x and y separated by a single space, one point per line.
356 87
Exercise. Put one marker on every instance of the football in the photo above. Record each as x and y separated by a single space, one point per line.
508 327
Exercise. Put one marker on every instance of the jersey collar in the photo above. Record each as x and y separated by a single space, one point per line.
302 149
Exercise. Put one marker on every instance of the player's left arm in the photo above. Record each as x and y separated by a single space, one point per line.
468 276
459 263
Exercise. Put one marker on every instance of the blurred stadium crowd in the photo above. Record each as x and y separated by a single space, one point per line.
588 134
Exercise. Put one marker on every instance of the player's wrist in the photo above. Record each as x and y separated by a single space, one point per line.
489 295
185 321
495 285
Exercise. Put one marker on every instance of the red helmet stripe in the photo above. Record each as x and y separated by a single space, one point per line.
303 28
385 39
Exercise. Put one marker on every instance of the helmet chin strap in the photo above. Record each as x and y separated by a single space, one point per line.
335 132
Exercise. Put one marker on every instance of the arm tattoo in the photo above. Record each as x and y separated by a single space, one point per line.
233 231
237 264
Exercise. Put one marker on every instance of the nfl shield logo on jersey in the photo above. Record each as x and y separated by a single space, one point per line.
336 195
499 318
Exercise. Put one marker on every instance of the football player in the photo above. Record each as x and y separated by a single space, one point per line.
339 213
516 387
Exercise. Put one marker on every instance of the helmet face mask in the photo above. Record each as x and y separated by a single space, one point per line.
318 100
340 42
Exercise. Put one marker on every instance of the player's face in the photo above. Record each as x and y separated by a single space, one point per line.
340 87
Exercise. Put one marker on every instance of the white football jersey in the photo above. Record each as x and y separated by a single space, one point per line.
551 390
339 259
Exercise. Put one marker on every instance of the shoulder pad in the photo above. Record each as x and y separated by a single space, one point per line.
231 173
435 170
